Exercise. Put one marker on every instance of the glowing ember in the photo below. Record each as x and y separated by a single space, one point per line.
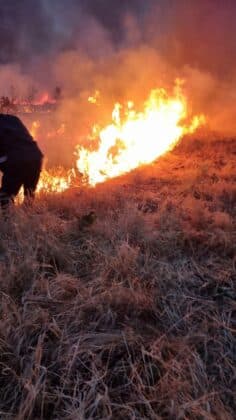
136 138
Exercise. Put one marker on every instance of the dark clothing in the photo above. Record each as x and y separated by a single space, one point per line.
15 140
20 174
23 162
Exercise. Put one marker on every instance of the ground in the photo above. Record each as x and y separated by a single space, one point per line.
132 316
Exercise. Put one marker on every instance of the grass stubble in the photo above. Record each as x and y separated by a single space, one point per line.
134 316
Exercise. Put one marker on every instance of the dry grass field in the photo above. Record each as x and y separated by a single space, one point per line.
133 316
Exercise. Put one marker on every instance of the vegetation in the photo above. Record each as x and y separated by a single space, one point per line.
133 316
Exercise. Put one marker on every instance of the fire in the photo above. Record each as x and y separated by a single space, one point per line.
34 128
94 99
55 182
137 138
132 139
45 98
52 182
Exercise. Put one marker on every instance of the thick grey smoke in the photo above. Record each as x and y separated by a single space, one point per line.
123 48
198 34
33 28
24 28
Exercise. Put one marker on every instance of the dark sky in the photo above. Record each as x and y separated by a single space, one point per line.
199 33
30 28
123 46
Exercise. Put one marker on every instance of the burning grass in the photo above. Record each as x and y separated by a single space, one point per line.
134 315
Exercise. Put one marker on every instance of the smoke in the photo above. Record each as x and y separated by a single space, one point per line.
36 35
123 49
203 37
31 29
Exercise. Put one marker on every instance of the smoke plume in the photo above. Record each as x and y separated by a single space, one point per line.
123 49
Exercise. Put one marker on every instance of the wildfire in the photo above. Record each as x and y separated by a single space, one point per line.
132 139
94 99
54 183
137 138
58 180
45 98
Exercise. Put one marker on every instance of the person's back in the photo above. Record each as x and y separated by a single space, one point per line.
20 159
15 140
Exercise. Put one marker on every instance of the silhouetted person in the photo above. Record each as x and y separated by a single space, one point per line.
20 160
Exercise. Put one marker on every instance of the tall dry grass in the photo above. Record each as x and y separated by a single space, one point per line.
134 316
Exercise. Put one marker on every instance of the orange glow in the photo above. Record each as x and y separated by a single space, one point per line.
94 99
44 99
55 182
137 138
34 128
52 182
133 138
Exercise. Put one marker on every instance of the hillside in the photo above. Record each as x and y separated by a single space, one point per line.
133 316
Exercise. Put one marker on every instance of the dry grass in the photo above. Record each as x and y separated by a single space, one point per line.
133 317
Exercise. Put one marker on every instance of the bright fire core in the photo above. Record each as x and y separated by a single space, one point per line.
131 139
137 138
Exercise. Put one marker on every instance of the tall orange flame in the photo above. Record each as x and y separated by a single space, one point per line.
137 138
132 139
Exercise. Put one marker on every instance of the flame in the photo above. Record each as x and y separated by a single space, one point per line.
52 182
44 99
133 138
55 182
34 128
94 99
137 138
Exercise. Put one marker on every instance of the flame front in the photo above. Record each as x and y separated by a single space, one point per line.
54 183
137 138
131 140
